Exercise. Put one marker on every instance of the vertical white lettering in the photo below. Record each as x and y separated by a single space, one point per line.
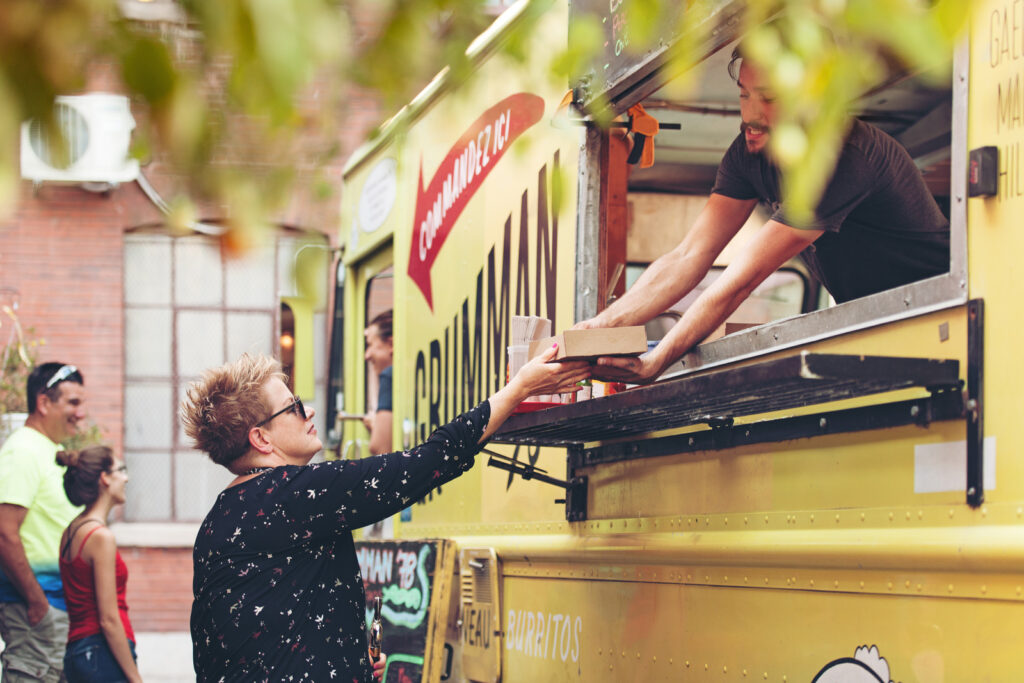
553 624
438 217
541 633
563 640
473 160
528 634
577 628
456 189
547 636
424 228
510 630
497 144
486 146
446 193
463 170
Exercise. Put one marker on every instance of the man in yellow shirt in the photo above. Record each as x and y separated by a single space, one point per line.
34 510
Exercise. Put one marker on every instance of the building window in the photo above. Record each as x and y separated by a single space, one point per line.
188 309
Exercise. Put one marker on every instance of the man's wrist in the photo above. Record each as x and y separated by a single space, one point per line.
660 357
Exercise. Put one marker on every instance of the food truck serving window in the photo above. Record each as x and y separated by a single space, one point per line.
928 120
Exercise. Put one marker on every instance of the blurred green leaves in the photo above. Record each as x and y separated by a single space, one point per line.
239 96
819 56
232 97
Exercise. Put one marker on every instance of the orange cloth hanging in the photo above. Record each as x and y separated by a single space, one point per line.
644 127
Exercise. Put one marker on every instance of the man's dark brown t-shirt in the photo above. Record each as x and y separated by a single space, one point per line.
882 225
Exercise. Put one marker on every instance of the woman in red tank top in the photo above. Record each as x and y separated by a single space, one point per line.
101 643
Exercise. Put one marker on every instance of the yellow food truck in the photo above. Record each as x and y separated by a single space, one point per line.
817 492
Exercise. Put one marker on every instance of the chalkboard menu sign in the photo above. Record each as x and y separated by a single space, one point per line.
414 580
622 56
619 54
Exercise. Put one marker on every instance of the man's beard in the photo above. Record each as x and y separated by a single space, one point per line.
744 127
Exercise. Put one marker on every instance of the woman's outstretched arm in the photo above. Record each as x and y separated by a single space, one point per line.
539 376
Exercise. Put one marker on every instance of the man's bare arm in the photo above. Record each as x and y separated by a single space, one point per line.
674 274
14 562
773 245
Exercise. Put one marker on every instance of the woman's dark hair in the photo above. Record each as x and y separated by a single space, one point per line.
82 478
383 323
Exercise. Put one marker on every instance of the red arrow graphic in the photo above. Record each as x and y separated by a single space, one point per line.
460 175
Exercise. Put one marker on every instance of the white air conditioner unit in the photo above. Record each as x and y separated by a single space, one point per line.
97 132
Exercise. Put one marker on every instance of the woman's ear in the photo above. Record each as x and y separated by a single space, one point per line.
105 479
258 440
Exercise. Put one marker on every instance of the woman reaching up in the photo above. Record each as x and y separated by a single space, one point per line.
278 595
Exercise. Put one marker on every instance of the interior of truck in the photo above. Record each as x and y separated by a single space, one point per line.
664 198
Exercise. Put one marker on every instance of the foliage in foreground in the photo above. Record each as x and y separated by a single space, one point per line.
216 64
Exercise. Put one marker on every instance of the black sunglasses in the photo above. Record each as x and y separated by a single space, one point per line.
294 407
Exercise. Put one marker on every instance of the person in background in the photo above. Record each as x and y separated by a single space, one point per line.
101 643
33 513
277 590
379 354
876 227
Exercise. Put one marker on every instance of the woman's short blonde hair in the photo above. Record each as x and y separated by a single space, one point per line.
221 408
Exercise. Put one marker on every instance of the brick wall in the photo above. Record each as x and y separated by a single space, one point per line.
61 254
159 588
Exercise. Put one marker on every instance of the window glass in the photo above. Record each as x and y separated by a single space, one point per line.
186 310
149 495
148 413
147 269
197 482
250 280
200 341
198 272
148 341
249 333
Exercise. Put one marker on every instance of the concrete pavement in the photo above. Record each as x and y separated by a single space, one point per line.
163 657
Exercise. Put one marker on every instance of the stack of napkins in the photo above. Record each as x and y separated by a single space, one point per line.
525 330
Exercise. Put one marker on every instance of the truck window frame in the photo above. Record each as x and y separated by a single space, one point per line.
907 301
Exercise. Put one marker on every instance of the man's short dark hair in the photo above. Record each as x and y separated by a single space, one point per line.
734 63
42 375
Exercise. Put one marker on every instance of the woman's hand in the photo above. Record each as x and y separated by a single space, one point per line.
378 666
543 376
539 376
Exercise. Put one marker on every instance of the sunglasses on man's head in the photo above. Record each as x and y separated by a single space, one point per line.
61 375
294 407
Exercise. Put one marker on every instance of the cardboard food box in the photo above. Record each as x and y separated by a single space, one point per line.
591 344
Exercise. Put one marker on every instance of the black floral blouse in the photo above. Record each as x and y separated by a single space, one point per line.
277 591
